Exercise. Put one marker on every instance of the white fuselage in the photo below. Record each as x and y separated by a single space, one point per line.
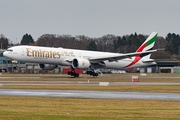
61 56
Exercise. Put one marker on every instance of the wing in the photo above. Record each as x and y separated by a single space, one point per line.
118 56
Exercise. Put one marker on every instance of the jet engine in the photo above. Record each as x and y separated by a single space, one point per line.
47 66
81 63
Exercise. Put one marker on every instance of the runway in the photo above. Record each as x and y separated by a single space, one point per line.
90 94
100 76
78 83
63 81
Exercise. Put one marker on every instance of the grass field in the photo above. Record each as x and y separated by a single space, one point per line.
43 108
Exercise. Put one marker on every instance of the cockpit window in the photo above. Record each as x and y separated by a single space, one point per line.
10 50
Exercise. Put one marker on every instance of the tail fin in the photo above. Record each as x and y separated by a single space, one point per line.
148 44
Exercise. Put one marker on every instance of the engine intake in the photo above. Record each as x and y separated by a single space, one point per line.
81 63
47 66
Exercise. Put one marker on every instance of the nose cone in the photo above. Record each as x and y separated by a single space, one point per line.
5 53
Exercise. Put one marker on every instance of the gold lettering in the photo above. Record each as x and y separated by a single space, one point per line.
28 51
50 54
71 53
54 54
35 53
40 53
44 54
58 55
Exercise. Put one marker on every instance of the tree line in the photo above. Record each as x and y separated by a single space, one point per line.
106 43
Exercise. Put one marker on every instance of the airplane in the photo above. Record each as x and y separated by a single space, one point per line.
49 58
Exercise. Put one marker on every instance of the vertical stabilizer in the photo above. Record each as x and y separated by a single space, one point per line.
148 44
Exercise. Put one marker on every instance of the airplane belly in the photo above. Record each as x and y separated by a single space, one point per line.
115 65
39 60
121 64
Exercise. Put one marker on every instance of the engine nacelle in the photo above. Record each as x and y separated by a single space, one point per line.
81 63
47 66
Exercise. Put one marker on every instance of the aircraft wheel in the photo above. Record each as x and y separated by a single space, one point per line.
76 75
95 74
69 73
91 73
87 72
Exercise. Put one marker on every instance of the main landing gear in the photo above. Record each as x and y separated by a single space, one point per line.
92 73
72 73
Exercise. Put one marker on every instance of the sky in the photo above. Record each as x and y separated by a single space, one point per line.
92 18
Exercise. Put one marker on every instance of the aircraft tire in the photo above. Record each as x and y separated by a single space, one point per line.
69 73
95 74
76 75
87 72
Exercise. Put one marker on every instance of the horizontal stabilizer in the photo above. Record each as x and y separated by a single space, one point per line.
148 61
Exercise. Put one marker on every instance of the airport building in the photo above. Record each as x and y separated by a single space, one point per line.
3 62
